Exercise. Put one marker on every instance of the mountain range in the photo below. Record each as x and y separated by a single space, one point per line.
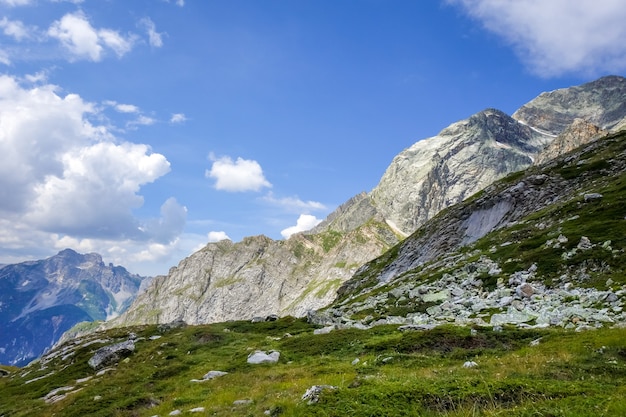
40 300
260 276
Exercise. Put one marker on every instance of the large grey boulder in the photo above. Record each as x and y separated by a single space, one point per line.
110 355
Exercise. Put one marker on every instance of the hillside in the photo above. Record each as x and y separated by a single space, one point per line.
540 247
447 371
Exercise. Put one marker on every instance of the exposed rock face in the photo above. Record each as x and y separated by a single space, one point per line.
437 276
40 300
464 158
575 135
259 276
599 102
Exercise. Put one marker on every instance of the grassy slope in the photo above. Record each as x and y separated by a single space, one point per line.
398 374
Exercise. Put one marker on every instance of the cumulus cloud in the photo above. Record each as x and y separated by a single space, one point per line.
83 41
558 36
237 176
178 118
217 236
14 28
65 181
154 38
305 222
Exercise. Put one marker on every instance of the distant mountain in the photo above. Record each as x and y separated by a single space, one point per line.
40 300
260 276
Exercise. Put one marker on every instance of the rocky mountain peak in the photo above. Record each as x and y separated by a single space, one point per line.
601 102
39 300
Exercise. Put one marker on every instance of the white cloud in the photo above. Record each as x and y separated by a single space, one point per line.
237 176
67 182
305 222
178 118
558 36
14 28
84 41
123 108
217 236
4 58
155 38
13 3
179 3
294 204
141 120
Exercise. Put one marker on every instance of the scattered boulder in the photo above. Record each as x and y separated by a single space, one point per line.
210 375
592 197
109 355
197 410
312 395
324 330
259 357
525 290
242 402
585 243
470 364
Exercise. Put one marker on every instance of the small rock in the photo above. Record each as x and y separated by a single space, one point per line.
197 410
259 357
324 330
525 290
242 402
535 342
175 413
210 375
584 244
592 197
312 395
355 361
470 364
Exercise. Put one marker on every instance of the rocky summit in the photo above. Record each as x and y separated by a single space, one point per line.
40 300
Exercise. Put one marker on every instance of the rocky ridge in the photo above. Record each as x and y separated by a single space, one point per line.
259 276
545 248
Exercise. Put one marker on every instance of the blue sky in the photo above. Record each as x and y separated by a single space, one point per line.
144 129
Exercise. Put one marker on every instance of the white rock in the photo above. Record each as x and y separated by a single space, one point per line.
259 357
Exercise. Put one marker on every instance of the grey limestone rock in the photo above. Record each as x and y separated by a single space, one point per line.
109 355
259 357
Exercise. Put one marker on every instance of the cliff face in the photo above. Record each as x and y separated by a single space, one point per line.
40 300
259 276
464 158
